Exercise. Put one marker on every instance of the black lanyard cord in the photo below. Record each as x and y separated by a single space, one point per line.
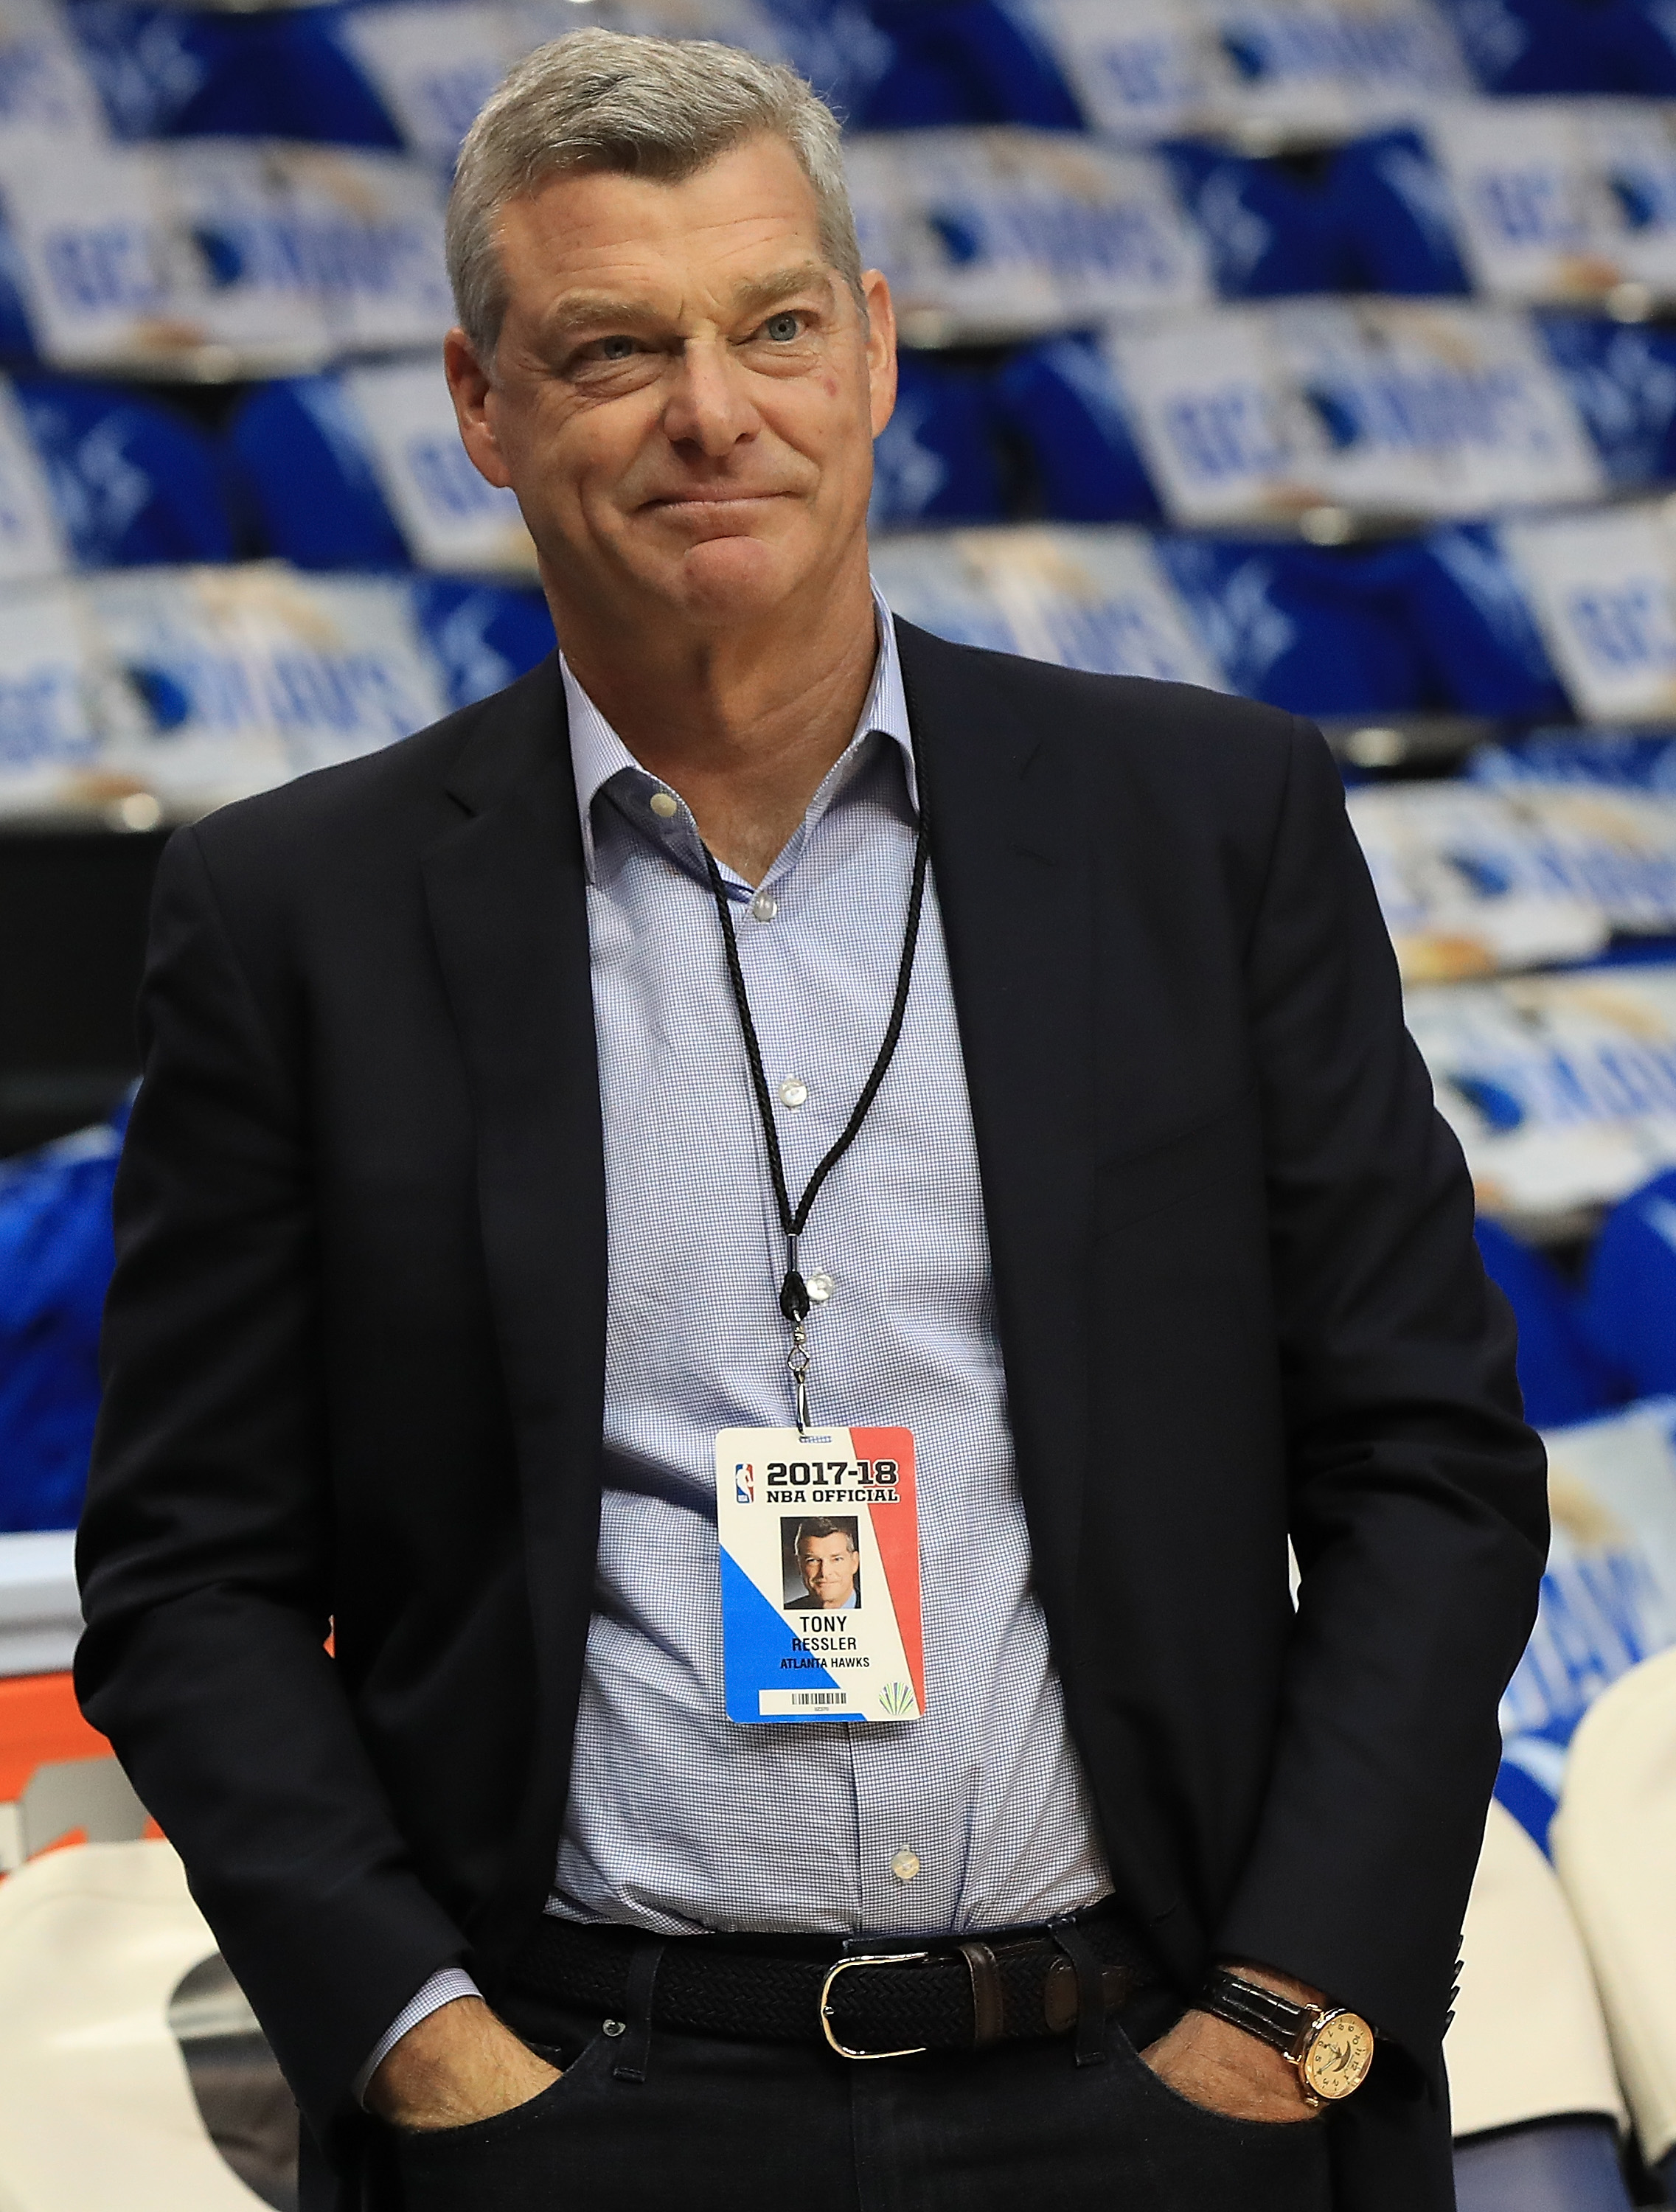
794 1292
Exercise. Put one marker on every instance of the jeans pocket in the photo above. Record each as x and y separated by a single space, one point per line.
1305 2135
502 2138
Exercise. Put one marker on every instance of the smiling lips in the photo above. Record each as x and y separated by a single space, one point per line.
711 499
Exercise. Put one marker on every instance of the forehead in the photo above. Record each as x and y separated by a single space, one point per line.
751 211
819 1543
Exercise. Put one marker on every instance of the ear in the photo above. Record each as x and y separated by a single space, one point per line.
472 389
881 348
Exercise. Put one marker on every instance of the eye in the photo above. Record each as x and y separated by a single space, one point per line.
618 349
784 327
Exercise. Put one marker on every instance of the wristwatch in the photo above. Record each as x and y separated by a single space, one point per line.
1331 2048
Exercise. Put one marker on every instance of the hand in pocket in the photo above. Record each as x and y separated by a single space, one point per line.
458 2065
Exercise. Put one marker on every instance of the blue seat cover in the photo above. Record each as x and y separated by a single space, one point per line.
963 61
1622 382
484 634
1422 625
1060 402
132 479
1566 46
1562 1375
935 460
304 482
1630 1299
56 1256
170 73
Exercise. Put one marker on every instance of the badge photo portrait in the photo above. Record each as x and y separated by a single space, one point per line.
820 1558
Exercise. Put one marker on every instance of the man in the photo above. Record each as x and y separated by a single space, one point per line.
828 1562
767 1018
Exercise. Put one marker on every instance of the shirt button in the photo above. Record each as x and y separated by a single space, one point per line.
904 1865
820 1286
793 1090
765 906
664 805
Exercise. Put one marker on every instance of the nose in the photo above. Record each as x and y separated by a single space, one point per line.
709 405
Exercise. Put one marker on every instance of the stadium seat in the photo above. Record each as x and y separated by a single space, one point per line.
171 73
1535 2105
963 61
304 480
1623 381
1566 46
133 480
1397 217
1614 1844
935 460
54 1259
1629 1302
1059 402
1527 2041
109 1987
1562 1375
1553 2165
1418 626
1273 227
483 635
1367 216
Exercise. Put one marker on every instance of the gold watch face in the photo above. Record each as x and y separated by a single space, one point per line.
1340 2052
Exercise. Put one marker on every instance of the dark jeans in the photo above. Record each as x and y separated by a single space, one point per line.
746 2127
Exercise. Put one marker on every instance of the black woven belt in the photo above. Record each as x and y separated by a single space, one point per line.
879 1998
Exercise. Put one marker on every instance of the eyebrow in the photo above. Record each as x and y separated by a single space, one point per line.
575 311
767 292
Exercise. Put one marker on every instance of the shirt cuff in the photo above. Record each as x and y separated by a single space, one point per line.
441 1989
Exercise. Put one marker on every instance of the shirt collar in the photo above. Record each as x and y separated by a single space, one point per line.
598 755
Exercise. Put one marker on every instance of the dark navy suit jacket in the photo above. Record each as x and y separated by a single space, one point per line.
356 1344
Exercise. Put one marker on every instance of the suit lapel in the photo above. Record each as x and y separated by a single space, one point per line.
508 903
1012 885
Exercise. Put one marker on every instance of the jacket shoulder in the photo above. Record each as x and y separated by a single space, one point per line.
1179 729
393 800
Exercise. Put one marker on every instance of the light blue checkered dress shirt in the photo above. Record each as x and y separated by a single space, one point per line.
977 1815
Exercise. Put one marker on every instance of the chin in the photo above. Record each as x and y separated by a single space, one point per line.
737 577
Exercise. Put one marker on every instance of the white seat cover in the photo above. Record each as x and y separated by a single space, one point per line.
1529 2041
1614 1840
96 2112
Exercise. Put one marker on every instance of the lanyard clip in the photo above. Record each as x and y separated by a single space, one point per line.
797 1360
794 1304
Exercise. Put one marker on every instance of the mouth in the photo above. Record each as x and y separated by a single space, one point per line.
709 506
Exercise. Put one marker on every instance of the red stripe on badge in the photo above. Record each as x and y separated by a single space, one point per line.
897 1530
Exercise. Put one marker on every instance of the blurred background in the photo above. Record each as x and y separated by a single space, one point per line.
1323 351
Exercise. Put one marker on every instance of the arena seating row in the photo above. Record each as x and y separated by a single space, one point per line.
194 685
1391 413
387 76
1319 350
215 256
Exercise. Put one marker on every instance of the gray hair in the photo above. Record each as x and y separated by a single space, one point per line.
665 108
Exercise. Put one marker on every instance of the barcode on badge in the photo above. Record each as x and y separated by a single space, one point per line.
807 1701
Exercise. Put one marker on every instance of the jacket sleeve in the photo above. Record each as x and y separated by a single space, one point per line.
1417 1504
204 1553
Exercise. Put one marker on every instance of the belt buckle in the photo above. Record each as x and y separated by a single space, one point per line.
843 1966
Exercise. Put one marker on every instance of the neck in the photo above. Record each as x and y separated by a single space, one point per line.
742 723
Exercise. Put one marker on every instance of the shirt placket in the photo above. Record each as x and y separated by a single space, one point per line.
814 1076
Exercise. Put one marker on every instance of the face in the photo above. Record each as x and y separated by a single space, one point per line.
829 1565
684 396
